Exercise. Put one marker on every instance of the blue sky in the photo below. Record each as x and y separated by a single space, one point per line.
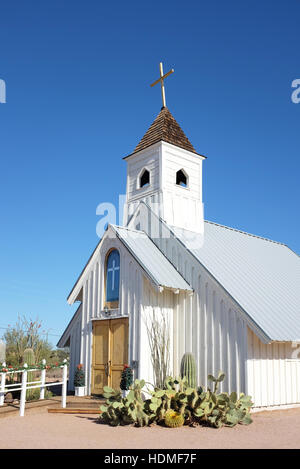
78 100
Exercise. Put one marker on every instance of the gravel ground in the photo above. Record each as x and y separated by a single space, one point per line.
275 429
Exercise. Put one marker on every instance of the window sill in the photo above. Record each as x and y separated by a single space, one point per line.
182 187
110 314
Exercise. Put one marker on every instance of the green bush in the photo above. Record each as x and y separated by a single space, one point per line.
196 406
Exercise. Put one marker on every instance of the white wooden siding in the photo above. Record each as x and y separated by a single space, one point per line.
75 340
273 372
174 160
177 205
131 291
161 303
208 323
147 159
208 326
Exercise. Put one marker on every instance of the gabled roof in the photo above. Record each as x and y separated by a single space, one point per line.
151 259
157 267
166 129
262 276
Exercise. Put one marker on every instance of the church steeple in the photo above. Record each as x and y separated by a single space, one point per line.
165 171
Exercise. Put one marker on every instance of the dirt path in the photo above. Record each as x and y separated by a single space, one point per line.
276 429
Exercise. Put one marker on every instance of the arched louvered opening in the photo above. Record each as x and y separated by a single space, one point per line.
144 178
181 178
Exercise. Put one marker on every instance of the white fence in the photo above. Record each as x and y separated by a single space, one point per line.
25 385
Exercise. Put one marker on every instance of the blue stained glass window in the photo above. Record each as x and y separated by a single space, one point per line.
113 276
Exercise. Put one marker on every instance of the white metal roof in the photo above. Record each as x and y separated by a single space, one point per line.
262 276
151 259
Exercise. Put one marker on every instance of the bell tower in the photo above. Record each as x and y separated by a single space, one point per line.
165 171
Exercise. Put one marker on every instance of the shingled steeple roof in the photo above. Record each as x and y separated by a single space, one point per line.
166 129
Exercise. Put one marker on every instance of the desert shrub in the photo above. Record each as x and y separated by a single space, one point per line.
23 335
158 331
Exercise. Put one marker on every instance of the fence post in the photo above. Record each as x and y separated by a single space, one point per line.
64 385
2 386
43 379
23 391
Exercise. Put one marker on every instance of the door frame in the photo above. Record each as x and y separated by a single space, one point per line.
109 321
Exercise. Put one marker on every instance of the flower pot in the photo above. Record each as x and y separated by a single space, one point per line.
80 391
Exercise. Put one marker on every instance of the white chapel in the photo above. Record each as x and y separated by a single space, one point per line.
230 298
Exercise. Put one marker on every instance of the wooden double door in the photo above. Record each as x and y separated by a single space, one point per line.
110 353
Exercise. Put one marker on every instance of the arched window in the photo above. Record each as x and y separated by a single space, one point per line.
112 281
181 178
144 178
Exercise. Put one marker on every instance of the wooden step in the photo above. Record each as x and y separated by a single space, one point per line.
74 411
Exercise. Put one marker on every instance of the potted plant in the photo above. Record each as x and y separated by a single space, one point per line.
79 381
126 380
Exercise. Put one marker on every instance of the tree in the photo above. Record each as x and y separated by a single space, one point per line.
58 355
25 334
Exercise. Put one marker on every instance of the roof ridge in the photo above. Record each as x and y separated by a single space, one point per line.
170 227
157 247
245 233
126 228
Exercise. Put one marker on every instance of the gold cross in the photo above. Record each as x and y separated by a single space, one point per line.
161 80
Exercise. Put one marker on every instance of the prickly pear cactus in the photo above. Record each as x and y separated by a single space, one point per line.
188 369
174 419
176 405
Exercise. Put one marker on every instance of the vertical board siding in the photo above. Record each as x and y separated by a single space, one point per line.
206 323
163 303
273 372
93 301
209 324
75 342
214 332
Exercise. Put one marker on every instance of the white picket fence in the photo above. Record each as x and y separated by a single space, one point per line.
25 385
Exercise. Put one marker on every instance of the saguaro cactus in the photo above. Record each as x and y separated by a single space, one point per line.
29 358
188 369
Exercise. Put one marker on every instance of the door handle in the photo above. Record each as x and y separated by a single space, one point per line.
107 368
